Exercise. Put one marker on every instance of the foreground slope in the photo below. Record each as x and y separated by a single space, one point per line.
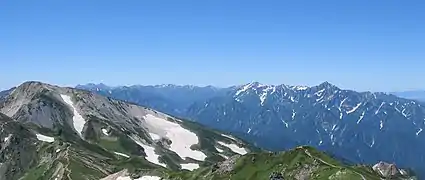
296 164
88 136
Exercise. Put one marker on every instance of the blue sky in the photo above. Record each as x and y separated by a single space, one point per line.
363 45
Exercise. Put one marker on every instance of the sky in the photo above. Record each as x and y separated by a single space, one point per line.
371 45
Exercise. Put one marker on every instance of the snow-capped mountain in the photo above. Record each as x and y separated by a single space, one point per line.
75 134
168 98
361 127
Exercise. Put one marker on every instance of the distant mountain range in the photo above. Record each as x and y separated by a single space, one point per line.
418 95
52 132
361 127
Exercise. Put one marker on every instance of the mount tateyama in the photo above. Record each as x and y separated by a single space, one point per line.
52 132
357 127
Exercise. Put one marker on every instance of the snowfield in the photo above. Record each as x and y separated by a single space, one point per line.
151 156
234 148
45 138
181 138
77 119
190 166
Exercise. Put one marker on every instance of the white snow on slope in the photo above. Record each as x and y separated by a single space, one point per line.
361 117
105 132
121 154
45 138
234 148
7 138
417 133
77 119
293 114
219 150
230 137
319 93
249 130
151 156
354 109
300 88
181 138
246 87
380 106
265 92
381 124
154 136
190 166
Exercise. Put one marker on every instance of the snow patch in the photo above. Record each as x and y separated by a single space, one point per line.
58 150
319 93
361 117
381 124
105 132
300 88
121 154
190 166
293 114
181 138
7 138
45 138
354 109
249 130
417 133
77 119
380 106
151 156
284 122
154 136
234 148
404 114
219 150
230 137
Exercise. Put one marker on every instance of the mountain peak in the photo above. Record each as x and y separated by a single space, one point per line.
327 85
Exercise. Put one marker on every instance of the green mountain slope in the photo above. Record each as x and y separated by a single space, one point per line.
299 163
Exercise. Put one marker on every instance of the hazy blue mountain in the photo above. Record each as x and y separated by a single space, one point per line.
171 99
417 95
359 126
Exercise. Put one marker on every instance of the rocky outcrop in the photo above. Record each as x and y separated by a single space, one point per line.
386 170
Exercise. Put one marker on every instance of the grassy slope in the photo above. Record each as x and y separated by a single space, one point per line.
291 164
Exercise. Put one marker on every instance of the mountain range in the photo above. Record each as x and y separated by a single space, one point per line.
418 95
357 127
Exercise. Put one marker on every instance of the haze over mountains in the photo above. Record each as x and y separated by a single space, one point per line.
360 127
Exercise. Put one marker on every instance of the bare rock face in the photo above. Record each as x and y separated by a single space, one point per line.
386 170
227 165
276 176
